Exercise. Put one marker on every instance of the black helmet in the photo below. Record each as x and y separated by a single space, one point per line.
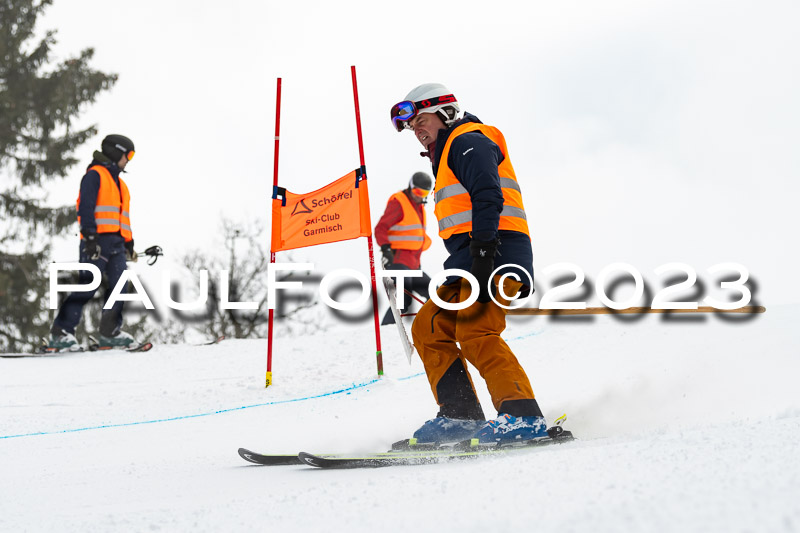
420 180
115 146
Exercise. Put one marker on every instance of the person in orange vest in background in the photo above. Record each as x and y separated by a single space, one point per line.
484 227
106 242
401 235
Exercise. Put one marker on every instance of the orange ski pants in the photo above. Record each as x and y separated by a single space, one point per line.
442 337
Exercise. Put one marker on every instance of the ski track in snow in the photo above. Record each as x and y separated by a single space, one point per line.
684 425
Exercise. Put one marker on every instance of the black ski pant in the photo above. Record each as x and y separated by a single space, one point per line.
112 264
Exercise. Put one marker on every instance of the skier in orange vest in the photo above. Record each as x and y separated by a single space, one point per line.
484 227
106 242
401 235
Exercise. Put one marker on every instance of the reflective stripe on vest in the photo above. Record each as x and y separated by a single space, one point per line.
409 232
112 212
453 204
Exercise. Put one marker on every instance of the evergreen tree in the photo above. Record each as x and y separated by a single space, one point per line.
38 103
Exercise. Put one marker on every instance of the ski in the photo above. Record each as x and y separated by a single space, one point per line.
45 351
39 354
142 347
269 460
391 292
461 451
294 459
410 452
94 346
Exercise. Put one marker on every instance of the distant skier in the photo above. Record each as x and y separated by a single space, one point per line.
483 224
106 242
401 235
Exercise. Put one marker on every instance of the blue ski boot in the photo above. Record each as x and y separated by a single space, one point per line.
507 429
121 340
443 429
61 341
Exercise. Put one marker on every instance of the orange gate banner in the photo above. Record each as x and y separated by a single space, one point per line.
337 212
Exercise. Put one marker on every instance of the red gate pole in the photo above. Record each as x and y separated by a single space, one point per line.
271 252
378 352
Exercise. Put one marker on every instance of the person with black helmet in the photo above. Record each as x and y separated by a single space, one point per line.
483 224
401 235
106 242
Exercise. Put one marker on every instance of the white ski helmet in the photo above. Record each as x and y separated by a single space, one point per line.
426 98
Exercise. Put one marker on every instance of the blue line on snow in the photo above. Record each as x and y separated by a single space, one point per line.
531 334
184 417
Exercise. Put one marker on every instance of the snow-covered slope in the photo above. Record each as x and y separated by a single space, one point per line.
684 425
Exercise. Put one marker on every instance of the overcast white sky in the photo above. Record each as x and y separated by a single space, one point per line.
642 132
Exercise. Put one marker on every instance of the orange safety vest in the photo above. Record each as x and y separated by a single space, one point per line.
112 211
453 204
409 233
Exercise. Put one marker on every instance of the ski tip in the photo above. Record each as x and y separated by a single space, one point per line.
278 459
248 456
144 347
310 459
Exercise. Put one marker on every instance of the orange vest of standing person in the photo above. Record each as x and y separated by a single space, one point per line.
409 233
112 211
453 204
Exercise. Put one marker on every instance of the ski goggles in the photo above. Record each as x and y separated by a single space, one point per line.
420 193
406 110
128 153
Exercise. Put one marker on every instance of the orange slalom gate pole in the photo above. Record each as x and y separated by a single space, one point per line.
271 252
378 352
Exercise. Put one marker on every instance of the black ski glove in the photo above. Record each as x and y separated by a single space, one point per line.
90 246
130 253
482 253
388 255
